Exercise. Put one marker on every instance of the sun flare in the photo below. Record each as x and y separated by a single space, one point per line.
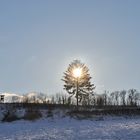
77 72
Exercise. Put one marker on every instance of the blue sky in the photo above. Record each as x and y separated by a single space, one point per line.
39 38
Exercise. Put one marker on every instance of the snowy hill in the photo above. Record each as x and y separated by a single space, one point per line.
37 97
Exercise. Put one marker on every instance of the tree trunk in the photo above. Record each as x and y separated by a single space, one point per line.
77 86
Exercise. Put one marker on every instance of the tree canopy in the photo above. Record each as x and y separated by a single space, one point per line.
78 81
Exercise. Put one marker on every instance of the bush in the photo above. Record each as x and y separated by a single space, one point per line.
9 117
32 115
49 113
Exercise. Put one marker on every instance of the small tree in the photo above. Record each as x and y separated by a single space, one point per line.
112 96
131 97
77 81
105 97
122 97
116 97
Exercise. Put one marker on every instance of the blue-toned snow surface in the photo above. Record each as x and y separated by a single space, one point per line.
109 128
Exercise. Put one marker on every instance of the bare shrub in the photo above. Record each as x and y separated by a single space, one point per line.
32 115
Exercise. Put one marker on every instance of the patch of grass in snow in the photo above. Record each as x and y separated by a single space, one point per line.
32 115
83 115
9 117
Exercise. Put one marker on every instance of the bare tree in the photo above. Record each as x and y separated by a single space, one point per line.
131 97
105 97
122 97
100 100
136 98
53 100
42 98
25 99
93 99
58 98
109 99
112 97
116 97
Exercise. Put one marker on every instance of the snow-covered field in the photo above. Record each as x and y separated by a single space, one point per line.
71 129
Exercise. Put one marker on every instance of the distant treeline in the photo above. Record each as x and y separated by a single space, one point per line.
116 98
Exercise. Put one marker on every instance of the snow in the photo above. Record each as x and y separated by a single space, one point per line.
37 96
72 129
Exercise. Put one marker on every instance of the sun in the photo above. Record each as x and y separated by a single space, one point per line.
77 72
